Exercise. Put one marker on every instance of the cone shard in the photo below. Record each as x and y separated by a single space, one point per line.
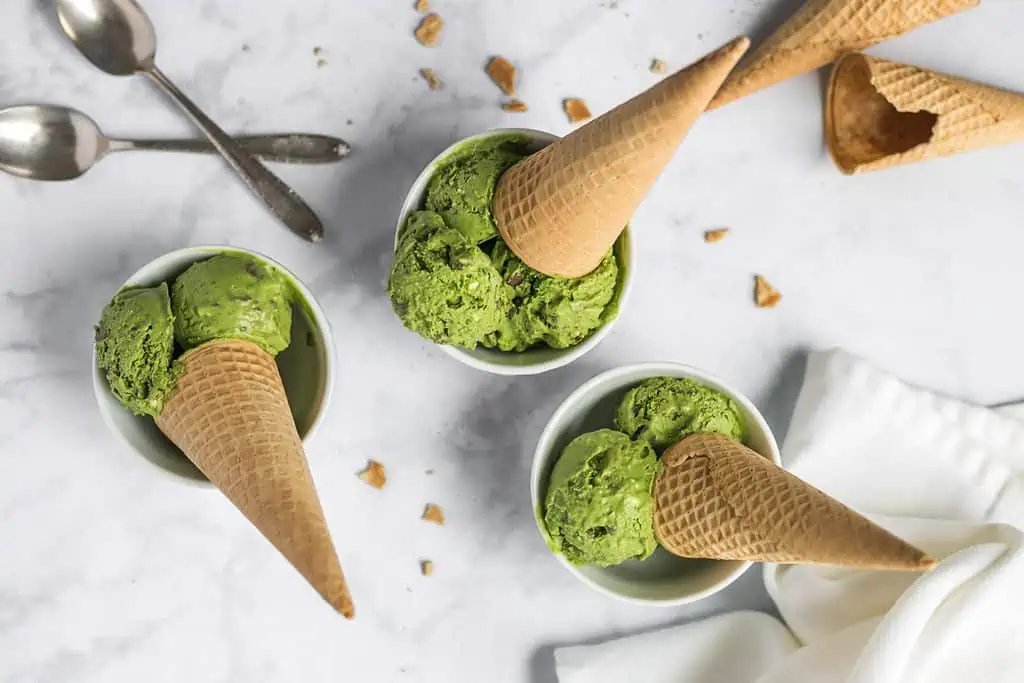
881 114
822 30
715 498
560 210
230 416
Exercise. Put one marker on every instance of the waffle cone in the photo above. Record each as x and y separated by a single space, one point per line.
715 498
881 114
229 414
822 30
560 210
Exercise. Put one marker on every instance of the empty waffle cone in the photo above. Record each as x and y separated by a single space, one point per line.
229 414
560 210
822 30
715 498
881 114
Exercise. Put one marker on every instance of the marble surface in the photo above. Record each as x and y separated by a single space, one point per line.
112 571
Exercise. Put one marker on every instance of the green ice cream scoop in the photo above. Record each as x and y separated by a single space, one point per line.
233 296
662 410
135 347
599 507
443 286
560 312
462 188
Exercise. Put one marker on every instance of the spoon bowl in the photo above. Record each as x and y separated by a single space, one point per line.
115 35
48 143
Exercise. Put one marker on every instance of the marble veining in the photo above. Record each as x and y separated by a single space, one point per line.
112 571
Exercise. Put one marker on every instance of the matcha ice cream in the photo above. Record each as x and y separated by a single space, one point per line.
443 286
462 188
663 410
599 507
135 348
454 281
559 312
233 296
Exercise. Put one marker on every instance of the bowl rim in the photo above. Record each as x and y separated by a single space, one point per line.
412 202
553 428
101 388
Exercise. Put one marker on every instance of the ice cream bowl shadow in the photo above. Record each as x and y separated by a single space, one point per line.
662 579
306 366
539 359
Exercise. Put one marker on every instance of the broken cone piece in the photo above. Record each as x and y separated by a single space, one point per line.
822 30
880 114
560 210
715 498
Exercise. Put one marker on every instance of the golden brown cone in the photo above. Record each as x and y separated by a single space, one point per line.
229 414
881 114
560 210
822 30
715 498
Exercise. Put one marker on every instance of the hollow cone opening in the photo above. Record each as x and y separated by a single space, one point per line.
865 127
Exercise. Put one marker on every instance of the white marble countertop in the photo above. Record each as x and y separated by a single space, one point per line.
111 571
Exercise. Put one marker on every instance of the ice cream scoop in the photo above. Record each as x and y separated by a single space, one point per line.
559 312
462 188
443 286
232 296
599 509
662 410
135 348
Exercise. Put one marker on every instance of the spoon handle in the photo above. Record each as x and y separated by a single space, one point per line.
282 200
288 148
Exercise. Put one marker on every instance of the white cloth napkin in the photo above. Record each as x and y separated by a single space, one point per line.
946 476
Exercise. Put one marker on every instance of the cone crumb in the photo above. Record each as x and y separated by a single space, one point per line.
765 295
712 236
514 105
422 6
433 513
576 109
429 29
503 74
321 63
426 567
374 474
658 66
433 82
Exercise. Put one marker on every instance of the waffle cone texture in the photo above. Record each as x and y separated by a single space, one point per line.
230 416
560 210
880 114
822 30
715 498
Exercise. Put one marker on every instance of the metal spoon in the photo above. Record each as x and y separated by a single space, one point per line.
57 143
118 37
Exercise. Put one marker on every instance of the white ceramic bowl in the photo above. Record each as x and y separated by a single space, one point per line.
662 579
307 366
533 361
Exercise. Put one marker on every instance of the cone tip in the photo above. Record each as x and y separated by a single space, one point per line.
737 47
342 604
730 53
